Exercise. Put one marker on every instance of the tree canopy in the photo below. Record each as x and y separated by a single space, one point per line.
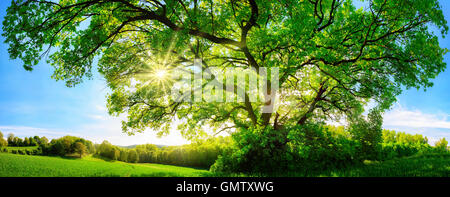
332 57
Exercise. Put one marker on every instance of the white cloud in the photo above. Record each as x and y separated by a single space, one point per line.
100 108
402 117
24 131
104 128
97 117
110 128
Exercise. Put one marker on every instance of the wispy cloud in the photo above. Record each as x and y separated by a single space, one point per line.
24 131
100 108
110 128
403 117
104 127
97 117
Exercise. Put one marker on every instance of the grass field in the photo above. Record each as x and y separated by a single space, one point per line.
12 165
433 165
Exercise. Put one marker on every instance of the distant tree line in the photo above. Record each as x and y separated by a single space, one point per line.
202 153
14 141
27 141
68 146
399 144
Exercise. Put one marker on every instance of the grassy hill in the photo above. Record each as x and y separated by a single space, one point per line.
12 165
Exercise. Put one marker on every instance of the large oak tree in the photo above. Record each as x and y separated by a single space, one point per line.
332 57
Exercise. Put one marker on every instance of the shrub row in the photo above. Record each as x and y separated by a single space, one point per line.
22 151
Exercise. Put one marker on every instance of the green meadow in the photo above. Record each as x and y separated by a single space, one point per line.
13 165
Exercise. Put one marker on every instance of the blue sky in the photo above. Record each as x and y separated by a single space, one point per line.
31 103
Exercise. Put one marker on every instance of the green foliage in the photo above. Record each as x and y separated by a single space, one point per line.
79 148
319 148
254 151
441 145
65 146
123 156
398 150
133 156
106 150
310 147
400 144
368 133
344 56
332 59
27 141
201 153
3 142
402 137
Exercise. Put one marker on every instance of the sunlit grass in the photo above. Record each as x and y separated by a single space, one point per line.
12 165
430 165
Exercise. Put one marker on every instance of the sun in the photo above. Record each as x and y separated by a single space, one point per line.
160 74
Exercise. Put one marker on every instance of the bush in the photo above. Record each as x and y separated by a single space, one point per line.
133 157
303 148
44 149
396 150
368 133
441 146
315 148
400 144
254 151
123 156
65 145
